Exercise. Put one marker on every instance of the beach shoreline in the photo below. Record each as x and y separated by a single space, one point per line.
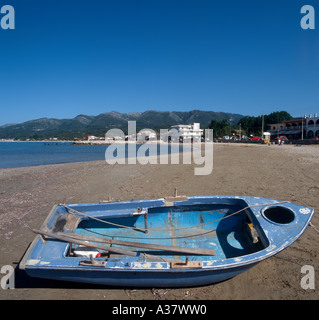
286 173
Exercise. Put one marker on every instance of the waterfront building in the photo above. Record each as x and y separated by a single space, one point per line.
297 128
293 129
312 127
185 133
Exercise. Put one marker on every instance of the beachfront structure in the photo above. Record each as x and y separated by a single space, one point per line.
146 135
297 128
292 129
185 133
312 126
94 138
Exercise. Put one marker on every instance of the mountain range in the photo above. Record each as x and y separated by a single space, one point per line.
83 125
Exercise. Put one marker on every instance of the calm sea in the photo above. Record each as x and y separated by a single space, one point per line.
23 154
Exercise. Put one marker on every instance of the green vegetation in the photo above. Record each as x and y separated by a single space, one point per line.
248 125
253 125
221 128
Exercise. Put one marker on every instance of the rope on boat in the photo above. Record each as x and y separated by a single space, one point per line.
230 215
73 211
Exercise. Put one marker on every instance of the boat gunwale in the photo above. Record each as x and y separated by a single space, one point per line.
209 265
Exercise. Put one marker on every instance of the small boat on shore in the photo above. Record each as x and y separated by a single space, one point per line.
169 242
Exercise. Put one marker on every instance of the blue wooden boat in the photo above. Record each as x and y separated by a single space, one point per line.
162 242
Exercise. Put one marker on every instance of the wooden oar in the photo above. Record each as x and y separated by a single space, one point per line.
100 246
186 250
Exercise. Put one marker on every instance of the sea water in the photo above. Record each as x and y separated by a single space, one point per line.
24 154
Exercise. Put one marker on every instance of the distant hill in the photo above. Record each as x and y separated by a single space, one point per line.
82 125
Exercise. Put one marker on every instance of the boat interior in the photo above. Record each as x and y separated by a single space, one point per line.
228 230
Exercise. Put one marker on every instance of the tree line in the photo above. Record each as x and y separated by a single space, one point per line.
249 125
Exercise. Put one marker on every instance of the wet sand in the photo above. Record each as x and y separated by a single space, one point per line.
286 173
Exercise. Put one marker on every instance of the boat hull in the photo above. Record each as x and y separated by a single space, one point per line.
212 223
142 279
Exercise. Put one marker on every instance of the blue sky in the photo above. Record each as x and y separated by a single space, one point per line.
68 57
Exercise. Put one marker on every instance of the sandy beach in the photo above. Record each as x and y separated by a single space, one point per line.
286 173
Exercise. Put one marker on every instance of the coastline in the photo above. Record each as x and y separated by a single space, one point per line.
289 173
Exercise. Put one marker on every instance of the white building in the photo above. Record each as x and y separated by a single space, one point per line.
146 135
312 126
90 138
185 133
